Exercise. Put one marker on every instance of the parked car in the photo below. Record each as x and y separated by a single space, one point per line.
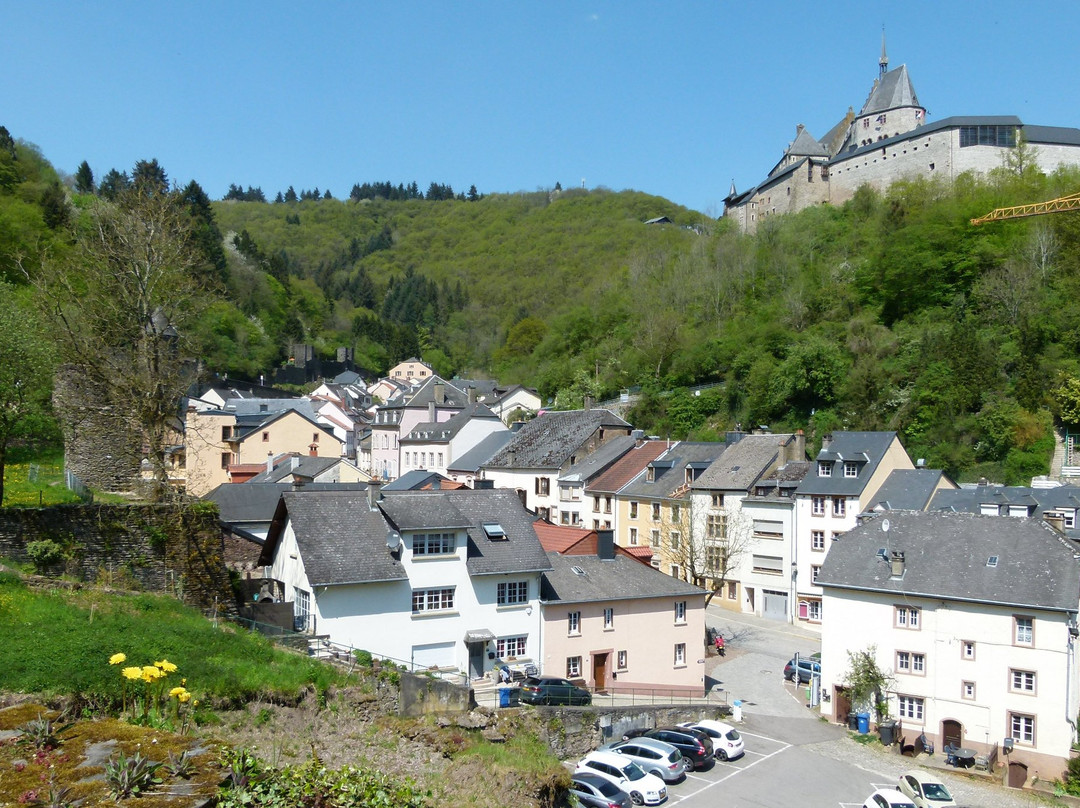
643 788
552 690
888 798
655 757
925 790
806 669
727 742
695 745
594 791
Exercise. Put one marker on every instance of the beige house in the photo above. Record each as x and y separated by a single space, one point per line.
617 624
220 442
411 370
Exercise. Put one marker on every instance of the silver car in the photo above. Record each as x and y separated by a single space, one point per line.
655 757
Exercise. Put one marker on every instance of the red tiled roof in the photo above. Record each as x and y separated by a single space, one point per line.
644 553
558 539
629 465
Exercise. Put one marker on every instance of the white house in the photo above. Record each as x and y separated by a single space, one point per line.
434 445
431 579
973 620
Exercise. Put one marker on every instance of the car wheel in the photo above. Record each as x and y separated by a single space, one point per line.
722 754
636 798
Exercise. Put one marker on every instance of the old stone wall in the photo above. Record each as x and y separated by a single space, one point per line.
176 549
423 695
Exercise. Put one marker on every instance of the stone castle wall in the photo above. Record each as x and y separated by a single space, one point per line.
174 549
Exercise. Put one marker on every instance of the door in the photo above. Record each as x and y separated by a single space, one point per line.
599 670
1017 774
843 704
476 659
775 606
952 733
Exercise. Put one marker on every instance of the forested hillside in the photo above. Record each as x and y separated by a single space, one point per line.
890 312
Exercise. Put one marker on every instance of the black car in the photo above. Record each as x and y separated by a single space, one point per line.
695 745
595 791
552 690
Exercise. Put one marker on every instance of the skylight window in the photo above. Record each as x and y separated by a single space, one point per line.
992 561
577 570
494 531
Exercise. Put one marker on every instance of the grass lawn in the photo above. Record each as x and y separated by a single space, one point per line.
32 484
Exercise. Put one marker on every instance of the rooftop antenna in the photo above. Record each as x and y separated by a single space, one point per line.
883 64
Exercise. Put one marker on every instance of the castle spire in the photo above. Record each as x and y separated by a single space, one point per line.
883 63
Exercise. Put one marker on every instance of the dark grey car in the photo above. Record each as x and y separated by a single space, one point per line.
552 690
595 791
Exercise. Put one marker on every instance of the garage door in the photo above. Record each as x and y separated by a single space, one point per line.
434 655
776 605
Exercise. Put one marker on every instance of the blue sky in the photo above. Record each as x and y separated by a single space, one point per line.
671 99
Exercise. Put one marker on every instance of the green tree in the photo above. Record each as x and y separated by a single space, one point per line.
866 683
25 375
113 184
84 179
149 176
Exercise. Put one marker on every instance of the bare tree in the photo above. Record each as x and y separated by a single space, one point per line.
121 304
708 542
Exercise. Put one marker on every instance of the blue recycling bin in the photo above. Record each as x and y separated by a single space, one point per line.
504 697
864 723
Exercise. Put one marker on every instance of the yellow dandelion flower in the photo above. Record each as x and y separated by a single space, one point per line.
183 697
132 673
116 659
176 691
150 673
166 666
195 703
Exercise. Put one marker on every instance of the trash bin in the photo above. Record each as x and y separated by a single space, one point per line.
504 697
853 721
736 711
887 731
864 723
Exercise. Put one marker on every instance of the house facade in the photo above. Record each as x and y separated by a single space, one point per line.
973 620
433 402
434 445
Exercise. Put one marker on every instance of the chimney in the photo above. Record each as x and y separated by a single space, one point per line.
800 446
511 458
1055 520
639 438
826 441
472 395
439 391
269 462
373 494
295 462
587 404
897 564
431 411
605 544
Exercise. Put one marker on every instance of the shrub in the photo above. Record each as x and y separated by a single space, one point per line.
44 553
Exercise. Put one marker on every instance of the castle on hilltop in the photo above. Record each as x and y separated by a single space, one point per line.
887 140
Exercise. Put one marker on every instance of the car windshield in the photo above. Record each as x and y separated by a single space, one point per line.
632 771
675 755
937 792
608 788
732 735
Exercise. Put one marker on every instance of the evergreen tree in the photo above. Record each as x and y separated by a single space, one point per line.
205 232
290 195
54 205
279 198
150 177
113 184
473 195
84 179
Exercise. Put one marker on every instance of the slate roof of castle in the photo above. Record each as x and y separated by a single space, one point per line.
948 556
891 91
618 578
470 509
549 439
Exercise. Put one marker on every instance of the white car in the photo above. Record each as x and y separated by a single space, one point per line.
727 742
644 789
925 790
888 798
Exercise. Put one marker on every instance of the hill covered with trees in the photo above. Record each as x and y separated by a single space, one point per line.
890 312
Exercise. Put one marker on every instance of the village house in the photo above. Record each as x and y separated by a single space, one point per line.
434 444
434 401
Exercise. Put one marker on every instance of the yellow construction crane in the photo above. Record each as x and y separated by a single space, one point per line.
1034 209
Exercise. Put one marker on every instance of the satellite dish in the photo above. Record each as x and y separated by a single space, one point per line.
884 525
393 541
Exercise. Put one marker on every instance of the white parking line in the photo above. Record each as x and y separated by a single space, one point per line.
731 774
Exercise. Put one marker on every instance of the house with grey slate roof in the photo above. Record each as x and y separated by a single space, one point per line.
620 625
546 447
433 445
842 483
440 580
974 621
466 468
1059 505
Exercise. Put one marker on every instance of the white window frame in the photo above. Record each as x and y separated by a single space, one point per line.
512 593
913 708
506 647
1022 681
1022 728
434 599
609 619
573 624
817 540
1023 631
817 506
680 611
573 667
680 654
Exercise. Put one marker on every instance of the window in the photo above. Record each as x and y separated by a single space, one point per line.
851 469
650 474
718 500
301 609
907 617
654 538
676 540
1022 728
434 544
732 590
573 623
680 611
838 506
607 504
987 135
676 571
512 592
824 468
910 707
1025 632
918 664
543 486
818 506
680 653
573 667
903 661
817 539
1022 681
714 558
967 649
813 611
609 618
676 513
315 437
633 510
432 600
226 459
620 662
633 535
715 525
967 690
226 432
815 571
656 511
1070 519
770 565
440 458
506 647
266 437
596 503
